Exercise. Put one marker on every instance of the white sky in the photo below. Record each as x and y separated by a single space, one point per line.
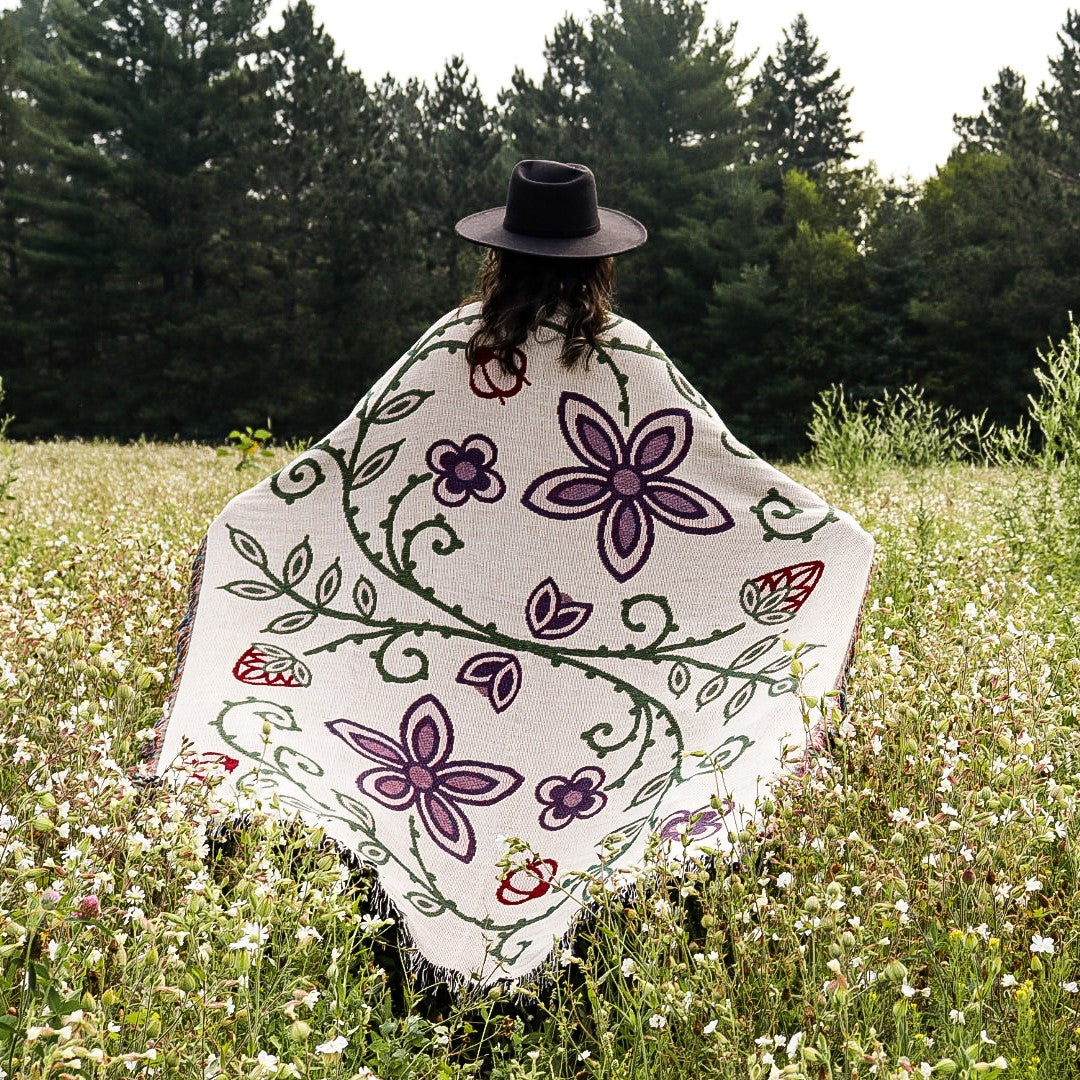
912 64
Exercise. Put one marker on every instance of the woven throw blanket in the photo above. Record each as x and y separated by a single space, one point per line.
552 605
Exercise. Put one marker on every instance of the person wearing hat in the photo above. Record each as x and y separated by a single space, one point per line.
530 596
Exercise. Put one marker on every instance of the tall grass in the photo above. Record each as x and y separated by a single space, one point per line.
907 906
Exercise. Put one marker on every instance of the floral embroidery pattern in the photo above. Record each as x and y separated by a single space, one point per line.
627 482
775 598
496 675
417 772
465 471
570 799
529 882
488 378
270 665
678 828
550 613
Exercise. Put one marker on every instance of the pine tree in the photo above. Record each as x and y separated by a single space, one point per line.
800 109
143 114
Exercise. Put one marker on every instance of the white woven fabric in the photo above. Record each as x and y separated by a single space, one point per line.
492 606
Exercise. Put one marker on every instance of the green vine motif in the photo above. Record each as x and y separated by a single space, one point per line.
647 615
621 379
780 508
256 714
728 442
685 390
304 475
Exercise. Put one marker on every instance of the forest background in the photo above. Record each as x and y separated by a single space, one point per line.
206 224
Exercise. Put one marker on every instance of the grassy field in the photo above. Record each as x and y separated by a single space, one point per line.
910 908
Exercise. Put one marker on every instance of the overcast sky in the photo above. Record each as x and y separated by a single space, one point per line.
912 64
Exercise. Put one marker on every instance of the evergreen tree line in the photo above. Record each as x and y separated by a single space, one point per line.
204 223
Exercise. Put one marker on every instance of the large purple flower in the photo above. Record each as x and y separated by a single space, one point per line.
627 482
567 798
465 471
418 772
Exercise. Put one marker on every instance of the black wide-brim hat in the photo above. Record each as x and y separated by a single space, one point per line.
551 210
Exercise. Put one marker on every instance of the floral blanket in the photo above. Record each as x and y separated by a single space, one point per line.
558 606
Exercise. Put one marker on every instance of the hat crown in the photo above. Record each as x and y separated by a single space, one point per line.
551 199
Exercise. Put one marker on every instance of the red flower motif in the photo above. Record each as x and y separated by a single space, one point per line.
776 597
271 665
530 882
488 379
213 758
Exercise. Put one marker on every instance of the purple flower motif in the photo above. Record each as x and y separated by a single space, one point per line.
418 772
496 675
465 470
626 481
568 799
550 613
677 828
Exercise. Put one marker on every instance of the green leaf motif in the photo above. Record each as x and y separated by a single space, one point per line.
740 700
426 904
290 623
374 466
678 679
252 590
650 789
365 597
768 609
397 408
329 584
755 651
247 547
297 564
712 690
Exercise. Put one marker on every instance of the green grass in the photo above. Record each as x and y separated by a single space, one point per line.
888 922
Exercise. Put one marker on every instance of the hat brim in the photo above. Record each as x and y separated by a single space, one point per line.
618 233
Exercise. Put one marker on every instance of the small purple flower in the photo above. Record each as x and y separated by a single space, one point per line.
89 907
568 799
678 828
465 471
627 482
417 772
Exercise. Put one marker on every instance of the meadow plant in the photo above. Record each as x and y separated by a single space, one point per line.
8 459
905 429
902 903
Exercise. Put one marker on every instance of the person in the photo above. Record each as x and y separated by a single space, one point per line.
528 611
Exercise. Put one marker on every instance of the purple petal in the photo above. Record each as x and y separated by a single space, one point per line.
595 802
625 538
540 606
590 432
450 491
685 507
496 675
590 776
554 817
546 789
478 783
368 742
489 486
480 450
567 493
660 442
447 826
551 615
426 732
387 787
442 455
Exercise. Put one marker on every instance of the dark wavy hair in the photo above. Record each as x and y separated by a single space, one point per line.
517 292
